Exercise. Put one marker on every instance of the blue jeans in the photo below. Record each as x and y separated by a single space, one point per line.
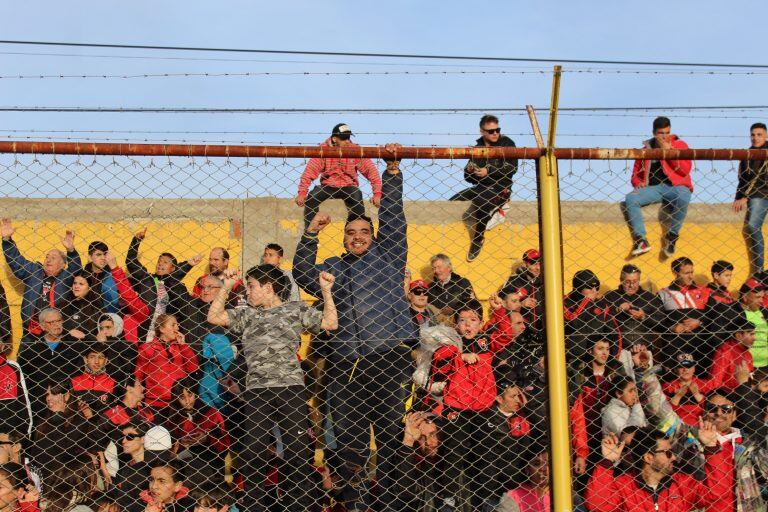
673 199
757 207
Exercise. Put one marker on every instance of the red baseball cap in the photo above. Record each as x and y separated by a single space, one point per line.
531 256
418 283
752 285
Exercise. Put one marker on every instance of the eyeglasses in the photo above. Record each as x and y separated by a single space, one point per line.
419 291
492 130
725 409
131 437
668 453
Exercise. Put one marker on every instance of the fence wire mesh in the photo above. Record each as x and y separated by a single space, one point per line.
376 343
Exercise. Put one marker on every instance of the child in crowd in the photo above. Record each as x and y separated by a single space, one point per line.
94 385
687 392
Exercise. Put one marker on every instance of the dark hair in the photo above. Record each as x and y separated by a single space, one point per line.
171 257
661 122
177 469
680 262
352 217
97 246
88 348
725 393
758 125
488 118
224 252
469 305
275 247
270 274
619 384
721 266
71 482
138 426
198 409
630 269
646 440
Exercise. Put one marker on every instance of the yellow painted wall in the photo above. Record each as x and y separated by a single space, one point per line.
602 247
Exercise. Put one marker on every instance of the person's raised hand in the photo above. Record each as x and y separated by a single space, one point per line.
140 234
319 222
470 358
111 260
611 448
580 465
741 372
6 228
707 433
376 201
413 421
230 278
326 281
495 301
194 260
69 240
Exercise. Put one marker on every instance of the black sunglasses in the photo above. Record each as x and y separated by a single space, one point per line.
725 409
131 437
668 453
492 130
419 291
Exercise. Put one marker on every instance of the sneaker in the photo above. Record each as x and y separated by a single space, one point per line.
474 251
641 246
499 218
669 245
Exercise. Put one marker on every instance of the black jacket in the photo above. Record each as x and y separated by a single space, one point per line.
502 445
636 330
41 367
417 480
753 178
520 278
452 294
500 170
5 317
82 313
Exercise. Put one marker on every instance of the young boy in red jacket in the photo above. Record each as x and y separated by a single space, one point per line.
471 388
94 385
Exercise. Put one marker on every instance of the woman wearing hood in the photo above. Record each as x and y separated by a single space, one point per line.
122 354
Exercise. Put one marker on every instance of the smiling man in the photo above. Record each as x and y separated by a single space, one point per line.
369 357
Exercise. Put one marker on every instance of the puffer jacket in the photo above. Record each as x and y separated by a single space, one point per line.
159 366
374 315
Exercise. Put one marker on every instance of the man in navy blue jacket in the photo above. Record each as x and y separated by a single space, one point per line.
368 365
44 283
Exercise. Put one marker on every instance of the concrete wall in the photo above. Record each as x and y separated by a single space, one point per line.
594 235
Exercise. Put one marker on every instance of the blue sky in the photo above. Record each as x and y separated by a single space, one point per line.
648 31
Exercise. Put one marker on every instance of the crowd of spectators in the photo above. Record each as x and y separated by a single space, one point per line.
132 392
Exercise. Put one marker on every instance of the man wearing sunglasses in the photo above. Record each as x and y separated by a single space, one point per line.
491 180
744 457
656 485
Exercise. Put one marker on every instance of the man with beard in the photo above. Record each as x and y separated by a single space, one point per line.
218 262
369 356
656 485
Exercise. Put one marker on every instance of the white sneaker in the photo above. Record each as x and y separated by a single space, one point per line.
499 218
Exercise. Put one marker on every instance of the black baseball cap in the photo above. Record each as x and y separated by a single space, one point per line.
341 130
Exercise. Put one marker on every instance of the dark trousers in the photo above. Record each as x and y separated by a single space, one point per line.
485 201
286 407
353 200
370 391
462 460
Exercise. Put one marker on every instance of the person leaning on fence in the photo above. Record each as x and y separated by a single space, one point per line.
659 181
491 180
44 283
369 358
338 178
656 485
271 332
752 192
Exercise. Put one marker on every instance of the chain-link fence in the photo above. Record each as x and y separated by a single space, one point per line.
370 334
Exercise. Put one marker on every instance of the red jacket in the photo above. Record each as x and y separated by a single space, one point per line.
688 410
88 382
578 430
727 357
472 387
211 424
119 415
678 171
27 506
678 493
9 379
591 400
138 311
339 172
159 366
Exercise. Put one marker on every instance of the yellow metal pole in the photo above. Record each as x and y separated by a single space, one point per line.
552 269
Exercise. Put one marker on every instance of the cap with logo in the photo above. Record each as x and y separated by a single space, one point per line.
685 360
418 283
341 130
752 285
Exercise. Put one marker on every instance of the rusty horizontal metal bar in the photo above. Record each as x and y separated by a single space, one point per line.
407 152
